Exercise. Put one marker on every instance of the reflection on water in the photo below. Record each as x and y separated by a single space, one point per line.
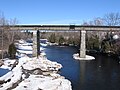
103 73
82 72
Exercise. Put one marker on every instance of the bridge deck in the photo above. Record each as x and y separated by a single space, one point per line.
62 27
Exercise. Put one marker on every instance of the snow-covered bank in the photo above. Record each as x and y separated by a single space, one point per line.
34 74
42 63
40 82
26 47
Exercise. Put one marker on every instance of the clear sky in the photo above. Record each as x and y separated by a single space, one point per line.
57 11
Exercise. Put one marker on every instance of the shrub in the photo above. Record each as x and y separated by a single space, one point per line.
12 51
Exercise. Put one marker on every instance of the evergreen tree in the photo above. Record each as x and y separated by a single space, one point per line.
12 51
70 40
106 46
52 38
61 40
93 43
96 42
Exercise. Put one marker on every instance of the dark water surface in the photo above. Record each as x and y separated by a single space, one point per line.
103 73
3 71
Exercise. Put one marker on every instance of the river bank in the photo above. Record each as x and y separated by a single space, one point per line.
100 74
33 73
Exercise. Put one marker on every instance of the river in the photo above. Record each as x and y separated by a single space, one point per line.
3 71
103 73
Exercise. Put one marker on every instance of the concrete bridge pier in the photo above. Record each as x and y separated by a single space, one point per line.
82 55
83 44
36 44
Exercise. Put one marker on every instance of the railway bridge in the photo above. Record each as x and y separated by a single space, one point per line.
70 28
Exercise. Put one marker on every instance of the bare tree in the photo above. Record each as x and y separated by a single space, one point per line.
112 19
95 22
6 35
98 21
2 23
10 34
91 34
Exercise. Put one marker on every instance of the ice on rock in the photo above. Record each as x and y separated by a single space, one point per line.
50 80
45 83
43 64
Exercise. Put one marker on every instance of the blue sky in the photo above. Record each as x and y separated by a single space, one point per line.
57 11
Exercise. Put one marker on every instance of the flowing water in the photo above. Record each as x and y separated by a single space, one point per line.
103 73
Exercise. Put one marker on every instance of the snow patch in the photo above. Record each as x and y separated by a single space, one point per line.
77 57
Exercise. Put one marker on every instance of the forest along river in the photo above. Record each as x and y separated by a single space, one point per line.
103 73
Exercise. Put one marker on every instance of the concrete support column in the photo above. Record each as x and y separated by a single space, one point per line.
36 44
83 44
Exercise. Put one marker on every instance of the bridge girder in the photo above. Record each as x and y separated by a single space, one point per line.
61 27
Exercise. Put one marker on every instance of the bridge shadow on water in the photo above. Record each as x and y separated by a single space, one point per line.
103 73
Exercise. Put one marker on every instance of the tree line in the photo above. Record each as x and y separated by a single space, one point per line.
95 40
100 41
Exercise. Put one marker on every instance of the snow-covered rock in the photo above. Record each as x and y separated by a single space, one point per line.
87 57
11 78
20 79
41 63
8 63
40 82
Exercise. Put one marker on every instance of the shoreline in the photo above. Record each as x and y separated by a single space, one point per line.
39 70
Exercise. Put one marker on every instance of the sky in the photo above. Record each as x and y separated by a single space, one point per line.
57 11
